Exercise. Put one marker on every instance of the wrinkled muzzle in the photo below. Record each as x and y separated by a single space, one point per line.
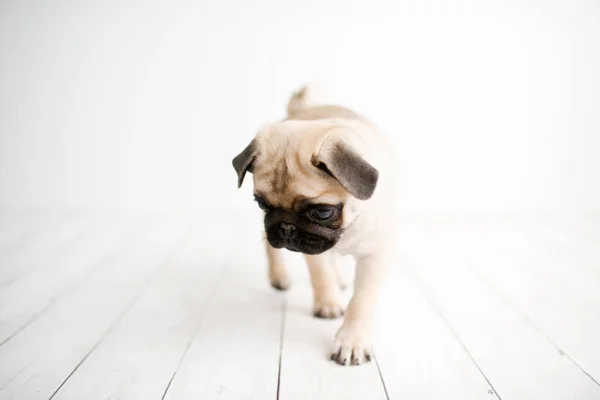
297 233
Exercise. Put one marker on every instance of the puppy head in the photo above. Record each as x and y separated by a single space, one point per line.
309 180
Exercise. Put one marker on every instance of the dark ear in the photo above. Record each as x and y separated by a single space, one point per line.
356 175
243 161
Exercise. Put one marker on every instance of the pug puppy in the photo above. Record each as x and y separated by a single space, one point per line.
323 177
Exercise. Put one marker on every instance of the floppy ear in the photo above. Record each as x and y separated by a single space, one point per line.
356 175
243 161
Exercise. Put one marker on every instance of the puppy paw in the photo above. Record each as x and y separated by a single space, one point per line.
328 308
351 347
279 277
280 282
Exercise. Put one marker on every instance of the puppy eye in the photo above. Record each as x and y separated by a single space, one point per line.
321 214
262 204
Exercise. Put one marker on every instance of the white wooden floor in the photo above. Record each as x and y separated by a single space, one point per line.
142 307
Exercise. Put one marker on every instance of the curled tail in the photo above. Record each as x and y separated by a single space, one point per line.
305 97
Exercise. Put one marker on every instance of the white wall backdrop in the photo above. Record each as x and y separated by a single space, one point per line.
493 106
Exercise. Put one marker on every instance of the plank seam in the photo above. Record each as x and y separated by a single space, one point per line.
437 310
281 337
385 390
512 305
55 253
106 257
205 304
165 265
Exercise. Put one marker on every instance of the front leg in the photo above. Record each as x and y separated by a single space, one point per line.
353 340
278 273
328 302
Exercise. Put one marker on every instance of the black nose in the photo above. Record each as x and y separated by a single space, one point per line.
287 230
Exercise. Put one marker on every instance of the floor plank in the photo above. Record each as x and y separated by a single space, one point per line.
42 357
14 226
577 238
419 357
47 244
539 282
138 358
306 371
518 360
130 307
235 351
20 232
24 300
